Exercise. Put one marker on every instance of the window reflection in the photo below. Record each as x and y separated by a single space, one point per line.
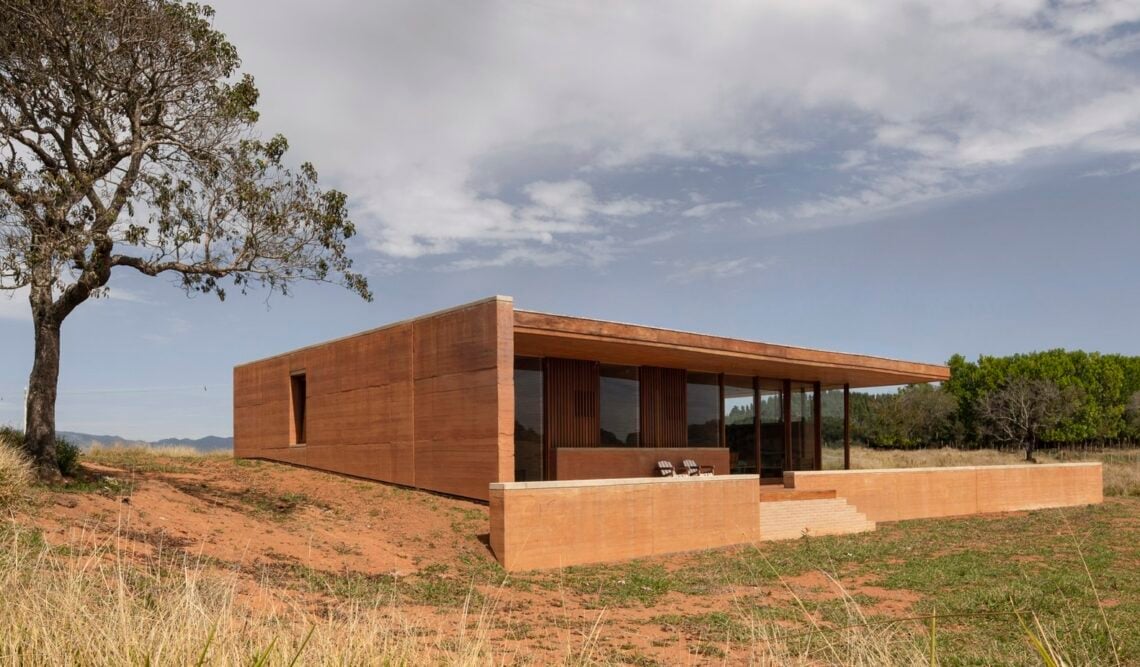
740 424
528 419
831 416
702 407
803 426
619 399
772 451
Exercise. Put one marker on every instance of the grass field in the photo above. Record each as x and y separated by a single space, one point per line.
166 557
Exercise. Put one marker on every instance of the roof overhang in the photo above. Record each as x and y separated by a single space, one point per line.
543 334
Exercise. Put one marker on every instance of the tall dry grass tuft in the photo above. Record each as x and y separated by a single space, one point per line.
15 477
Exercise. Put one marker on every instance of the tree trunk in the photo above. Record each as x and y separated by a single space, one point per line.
39 440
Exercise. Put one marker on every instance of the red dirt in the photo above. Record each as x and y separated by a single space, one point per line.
254 518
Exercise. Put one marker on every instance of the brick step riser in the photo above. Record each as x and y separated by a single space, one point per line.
788 520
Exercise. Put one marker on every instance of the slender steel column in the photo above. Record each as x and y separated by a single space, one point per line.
846 426
817 409
723 440
756 425
786 400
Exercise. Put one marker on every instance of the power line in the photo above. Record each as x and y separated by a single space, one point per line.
131 390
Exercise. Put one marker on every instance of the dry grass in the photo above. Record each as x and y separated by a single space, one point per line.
95 606
174 451
98 600
15 477
1121 466
90 603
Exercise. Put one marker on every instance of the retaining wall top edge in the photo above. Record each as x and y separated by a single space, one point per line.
887 471
626 481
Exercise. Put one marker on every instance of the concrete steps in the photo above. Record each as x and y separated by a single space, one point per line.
791 517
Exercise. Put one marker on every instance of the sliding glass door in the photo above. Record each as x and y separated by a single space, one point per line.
803 414
740 424
772 440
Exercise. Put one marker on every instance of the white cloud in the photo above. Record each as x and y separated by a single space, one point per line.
462 126
716 269
1116 171
705 210
425 224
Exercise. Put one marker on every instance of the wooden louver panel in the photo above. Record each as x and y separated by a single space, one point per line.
571 388
663 422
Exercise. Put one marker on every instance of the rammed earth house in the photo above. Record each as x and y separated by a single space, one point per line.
484 393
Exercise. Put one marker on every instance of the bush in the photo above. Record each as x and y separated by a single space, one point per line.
15 476
66 453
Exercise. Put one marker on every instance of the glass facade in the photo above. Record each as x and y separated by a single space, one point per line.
740 424
773 447
702 409
767 426
619 398
528 419
803 426
831 416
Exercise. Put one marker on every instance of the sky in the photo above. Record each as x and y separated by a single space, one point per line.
906 179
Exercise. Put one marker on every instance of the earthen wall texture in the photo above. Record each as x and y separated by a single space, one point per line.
538 525
922 493
426 403
622 462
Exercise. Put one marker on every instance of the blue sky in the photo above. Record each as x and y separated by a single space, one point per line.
901 178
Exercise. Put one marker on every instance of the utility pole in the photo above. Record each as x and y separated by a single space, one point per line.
24 420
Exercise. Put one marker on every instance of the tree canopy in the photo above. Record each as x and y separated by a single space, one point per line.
1053 397
127 141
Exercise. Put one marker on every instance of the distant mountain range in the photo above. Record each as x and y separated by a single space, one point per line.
210 443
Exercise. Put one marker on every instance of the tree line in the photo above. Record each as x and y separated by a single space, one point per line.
1041 399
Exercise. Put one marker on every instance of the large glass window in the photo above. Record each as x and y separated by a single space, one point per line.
772 429
831 416
803 426
528 419
619 400
740 424
702 401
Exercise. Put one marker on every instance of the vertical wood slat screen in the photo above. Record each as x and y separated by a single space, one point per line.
571 390
663 407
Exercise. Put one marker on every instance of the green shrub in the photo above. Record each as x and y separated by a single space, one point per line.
67 455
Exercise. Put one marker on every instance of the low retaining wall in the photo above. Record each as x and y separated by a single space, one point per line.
628 462
537 525
922 493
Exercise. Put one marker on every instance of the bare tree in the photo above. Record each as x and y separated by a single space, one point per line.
1025 408
126 142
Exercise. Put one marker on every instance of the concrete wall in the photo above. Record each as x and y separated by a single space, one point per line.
623 462
537 525
427 403
920 493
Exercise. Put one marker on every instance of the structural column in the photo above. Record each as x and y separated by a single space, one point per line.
817 408
846 426
786 404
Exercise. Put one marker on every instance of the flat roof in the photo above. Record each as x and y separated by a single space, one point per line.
547 334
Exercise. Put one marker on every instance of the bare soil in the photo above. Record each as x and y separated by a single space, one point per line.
295 537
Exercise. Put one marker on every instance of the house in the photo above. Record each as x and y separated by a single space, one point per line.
559 422
485 393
